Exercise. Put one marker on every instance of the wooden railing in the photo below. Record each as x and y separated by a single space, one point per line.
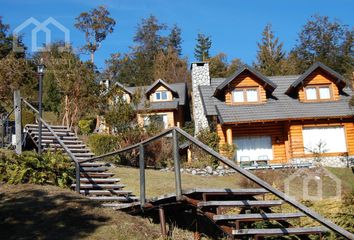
178 181
312 214
62 144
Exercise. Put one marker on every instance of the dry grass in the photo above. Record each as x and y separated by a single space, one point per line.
45 212
160 182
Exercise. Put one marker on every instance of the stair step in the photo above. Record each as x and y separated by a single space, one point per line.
97 174
100 186
89 154
73 150
92 164
51 137
47 133
243 203
94 169
279 231
120 205
99 180
111 199
227 191
105 192
66 141
52 126
257 216
70 146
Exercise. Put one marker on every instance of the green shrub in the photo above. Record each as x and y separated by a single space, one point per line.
28 117
209 138
103 143
86 126
50 168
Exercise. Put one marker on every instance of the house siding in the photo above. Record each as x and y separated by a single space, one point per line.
245 80
160 88
287 139
319 77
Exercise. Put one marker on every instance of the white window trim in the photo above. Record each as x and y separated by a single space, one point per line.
160 93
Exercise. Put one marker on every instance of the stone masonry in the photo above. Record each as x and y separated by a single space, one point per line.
200 77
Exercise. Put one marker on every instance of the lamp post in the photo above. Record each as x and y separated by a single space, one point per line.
40 71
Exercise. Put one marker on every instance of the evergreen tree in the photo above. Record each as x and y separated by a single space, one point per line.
201 50
6 42
329 42
170 67
175 39
270 53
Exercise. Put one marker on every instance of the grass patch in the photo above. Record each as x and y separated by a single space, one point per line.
161 182
30 211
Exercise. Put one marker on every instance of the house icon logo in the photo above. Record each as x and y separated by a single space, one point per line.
40 26
309 184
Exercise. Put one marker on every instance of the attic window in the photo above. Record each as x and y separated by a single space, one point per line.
161 95
245 95
315 93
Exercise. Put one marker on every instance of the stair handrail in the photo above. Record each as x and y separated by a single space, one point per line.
312 214
62 144
131 147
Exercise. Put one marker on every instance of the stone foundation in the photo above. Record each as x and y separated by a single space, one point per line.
335 161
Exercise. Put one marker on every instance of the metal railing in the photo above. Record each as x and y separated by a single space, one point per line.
312 214
62 144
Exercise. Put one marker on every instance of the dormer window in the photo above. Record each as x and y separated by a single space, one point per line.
245 95
161 96
318 93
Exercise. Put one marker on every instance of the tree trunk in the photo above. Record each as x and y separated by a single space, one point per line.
65 120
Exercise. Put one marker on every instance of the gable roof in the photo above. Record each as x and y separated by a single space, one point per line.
124 88
162 82
267 83
281 107
339 78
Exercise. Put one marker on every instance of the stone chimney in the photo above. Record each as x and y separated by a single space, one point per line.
200 77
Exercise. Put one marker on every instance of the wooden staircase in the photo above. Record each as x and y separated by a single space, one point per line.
235 212
95 181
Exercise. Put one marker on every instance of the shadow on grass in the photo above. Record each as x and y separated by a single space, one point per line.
37 214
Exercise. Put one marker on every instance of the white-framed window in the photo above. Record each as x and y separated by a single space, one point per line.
244 95
253 148
319 92
237 96
324 139
325 93
252 95
161 95
311 93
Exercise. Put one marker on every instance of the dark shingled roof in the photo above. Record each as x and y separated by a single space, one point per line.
179 88
124 88
339 78
280 107
162 82
268 84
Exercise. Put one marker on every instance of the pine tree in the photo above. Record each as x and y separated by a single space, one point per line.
175 39
329 42
270 53
201 50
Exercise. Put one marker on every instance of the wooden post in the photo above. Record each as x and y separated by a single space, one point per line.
162 222
177 166
18 121
229 136
189 155
142 175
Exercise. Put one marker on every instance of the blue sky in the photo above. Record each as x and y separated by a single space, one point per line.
234 25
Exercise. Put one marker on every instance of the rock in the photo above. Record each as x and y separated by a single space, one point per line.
215 173
194 172
220 167
182 170
209 170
